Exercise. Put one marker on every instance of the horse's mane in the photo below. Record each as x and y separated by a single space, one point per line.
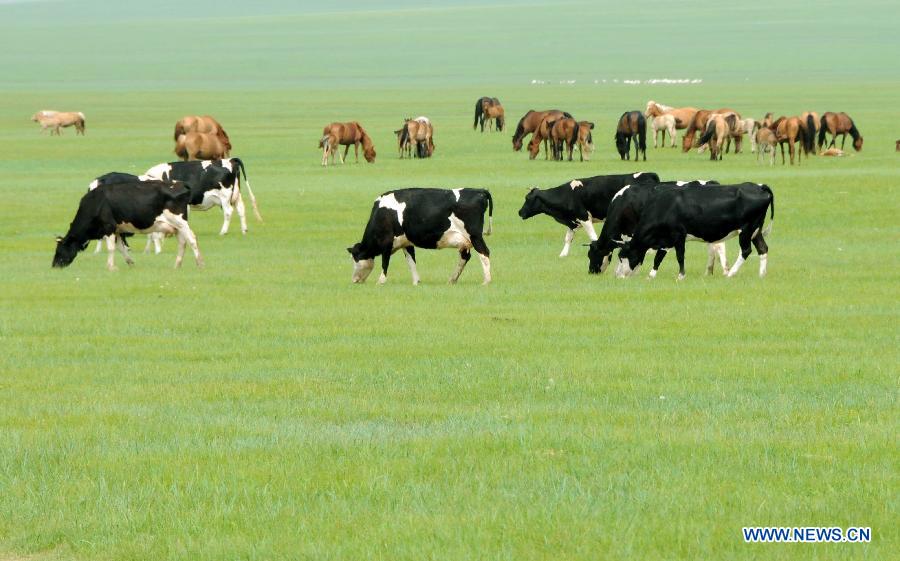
520 128
854 132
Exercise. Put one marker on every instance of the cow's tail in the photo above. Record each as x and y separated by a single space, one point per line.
490 201
240 170
768 230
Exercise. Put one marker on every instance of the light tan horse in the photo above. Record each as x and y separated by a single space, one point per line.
345 134
662 124
719 128
201 146
419 131
766 141
55 120
585 140
683 115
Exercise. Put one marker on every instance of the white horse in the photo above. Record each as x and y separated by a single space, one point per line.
662 124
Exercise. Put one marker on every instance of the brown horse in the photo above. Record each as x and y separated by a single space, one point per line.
631 124
790 130
585 140
766 141
345 134
530 122
809 122
683 115
201 123
719 128
839 124
420 131
55 120
698 125
563 135
201 146
542 134
487 108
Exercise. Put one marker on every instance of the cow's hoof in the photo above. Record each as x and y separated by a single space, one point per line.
112 269
679 278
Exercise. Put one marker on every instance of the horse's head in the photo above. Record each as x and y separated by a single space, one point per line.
369 153
534 146
857 144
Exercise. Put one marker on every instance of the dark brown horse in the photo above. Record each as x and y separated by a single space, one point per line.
631 124
563 135
698 126
839 124
345 134
487 108
530 122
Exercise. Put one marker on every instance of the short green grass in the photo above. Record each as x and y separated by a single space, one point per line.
265 408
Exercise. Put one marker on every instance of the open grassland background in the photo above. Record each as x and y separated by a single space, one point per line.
265 408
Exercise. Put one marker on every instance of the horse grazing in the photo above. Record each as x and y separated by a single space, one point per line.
585 140
420 131
201 123
487 108
563 135
839 124
790 130
201 146
698 125
55 120
631 124
719 128
683 115
766 141
662 124
541 134
345 134
530 122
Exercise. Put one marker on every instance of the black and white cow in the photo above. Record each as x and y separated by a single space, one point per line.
580 202
212 183
714 214
622 218
136 206
427 218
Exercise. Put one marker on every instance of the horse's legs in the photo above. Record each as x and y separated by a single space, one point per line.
843 140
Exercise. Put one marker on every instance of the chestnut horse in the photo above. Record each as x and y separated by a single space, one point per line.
585 140
790 130
487 108
839 124
345 134
542 134
201 146
563 135
631 124
530 122
201 123
54 120
698 125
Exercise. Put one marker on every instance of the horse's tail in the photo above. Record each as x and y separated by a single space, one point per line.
708 133
404 134
823 127
567 115
479 111
240 170
809 135
575 130
642 132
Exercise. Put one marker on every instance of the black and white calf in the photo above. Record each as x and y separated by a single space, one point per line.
136 206
580 203
622 218
212 183
426 218
714 214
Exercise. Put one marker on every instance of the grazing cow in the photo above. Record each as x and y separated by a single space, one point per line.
579 203
622 219
212 182
136 206
427 218
672 216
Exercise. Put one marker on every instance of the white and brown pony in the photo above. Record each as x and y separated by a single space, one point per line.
663 124
201 146
56 120
345 134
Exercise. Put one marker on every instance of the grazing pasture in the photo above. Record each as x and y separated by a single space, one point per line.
265 407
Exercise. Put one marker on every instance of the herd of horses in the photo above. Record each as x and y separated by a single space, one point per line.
201 137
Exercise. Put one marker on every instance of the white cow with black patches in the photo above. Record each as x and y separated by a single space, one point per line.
425 218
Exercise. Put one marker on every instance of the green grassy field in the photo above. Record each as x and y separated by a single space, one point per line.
266 408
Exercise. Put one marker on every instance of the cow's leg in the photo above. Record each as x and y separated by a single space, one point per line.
111 249
227 211
484 254
123 249
762 249
99 245
410 254
657 261
588 227
570 235
185 237
464 256
385 261
679 255
241 210
744 240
